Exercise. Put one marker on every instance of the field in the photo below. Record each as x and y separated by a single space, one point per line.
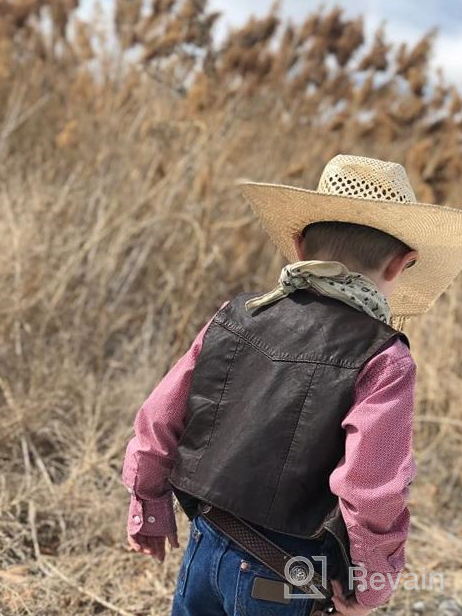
122 230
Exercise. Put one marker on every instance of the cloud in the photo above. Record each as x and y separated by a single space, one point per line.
448 51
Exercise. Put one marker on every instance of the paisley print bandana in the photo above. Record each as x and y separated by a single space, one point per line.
330 278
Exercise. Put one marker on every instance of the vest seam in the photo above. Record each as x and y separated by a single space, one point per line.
381 343
286 456
231 363
293 360
208 333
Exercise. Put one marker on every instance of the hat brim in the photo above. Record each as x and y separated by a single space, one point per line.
435 231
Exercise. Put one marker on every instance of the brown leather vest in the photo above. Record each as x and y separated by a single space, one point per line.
268 395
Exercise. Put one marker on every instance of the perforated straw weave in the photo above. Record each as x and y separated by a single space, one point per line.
378 194
367 178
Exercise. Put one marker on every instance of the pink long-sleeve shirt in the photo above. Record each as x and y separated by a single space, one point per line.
371 481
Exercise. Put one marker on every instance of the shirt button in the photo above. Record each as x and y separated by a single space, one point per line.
137 518
151 519
245 565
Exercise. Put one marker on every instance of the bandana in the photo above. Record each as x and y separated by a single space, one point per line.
330 278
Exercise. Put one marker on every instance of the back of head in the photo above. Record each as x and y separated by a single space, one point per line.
362 247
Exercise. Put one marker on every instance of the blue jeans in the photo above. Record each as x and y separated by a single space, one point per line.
216 577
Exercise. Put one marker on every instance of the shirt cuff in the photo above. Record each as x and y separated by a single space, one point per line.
155 518
380 552
379 587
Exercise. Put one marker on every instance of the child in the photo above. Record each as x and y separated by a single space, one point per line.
292 410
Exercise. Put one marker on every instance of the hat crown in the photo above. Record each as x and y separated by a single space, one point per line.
368 178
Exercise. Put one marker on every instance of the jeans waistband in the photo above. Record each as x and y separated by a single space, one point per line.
203 524
293 545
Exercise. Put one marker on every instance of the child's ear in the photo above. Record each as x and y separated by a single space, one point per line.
398 263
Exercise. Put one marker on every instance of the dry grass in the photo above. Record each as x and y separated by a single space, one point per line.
122 231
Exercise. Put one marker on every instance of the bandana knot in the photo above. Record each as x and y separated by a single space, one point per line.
331 278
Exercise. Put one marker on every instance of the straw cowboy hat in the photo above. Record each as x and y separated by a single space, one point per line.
376 193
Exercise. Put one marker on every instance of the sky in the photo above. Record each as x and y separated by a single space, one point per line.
406 20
